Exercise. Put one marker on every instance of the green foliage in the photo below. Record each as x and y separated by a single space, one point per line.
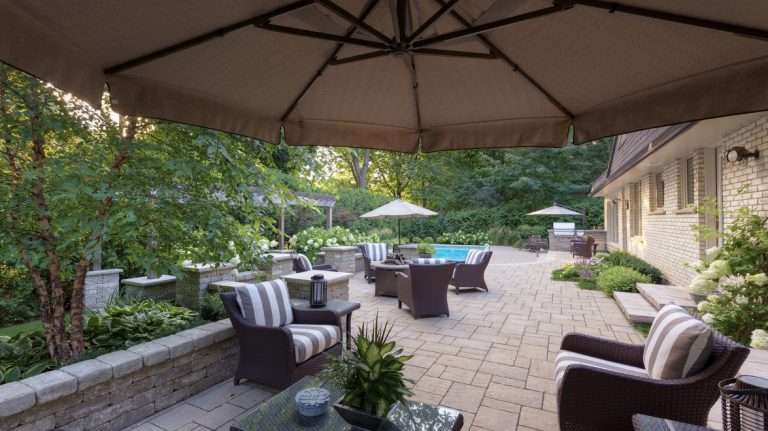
371 375
569 272
310 241
211 308
623 258
428 239
118 326
351 203
24 355
18 299
620 279
425 248
416 240
465 238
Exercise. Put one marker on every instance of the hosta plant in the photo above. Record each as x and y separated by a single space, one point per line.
22 356
371 375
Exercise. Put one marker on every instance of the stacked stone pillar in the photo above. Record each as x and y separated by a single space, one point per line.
194 280
342 258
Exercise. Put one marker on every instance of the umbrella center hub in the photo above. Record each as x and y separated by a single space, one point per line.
399 50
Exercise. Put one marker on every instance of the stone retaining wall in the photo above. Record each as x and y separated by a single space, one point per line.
100 286
118 389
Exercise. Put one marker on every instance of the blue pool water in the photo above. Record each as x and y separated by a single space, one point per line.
454 252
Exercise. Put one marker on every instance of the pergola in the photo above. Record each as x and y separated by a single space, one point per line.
302 198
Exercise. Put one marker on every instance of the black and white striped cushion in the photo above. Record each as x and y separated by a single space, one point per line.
309 340
376 251
678 344
566 358
304 260
265 304
474 256
429 261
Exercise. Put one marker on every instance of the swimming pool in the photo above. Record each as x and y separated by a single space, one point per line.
454 252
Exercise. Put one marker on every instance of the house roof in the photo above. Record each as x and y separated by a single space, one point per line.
631 148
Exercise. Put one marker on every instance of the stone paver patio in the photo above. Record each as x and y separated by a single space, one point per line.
492 359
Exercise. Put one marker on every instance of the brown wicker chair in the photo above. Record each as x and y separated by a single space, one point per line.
300 266
426 293
370 272
582 248
594 399
267 354
471 275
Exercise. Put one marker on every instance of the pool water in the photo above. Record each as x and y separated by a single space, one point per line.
454 252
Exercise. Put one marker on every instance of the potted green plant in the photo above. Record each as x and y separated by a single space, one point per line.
371 377
425 250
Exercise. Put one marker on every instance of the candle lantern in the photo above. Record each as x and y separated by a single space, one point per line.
745 403
318 291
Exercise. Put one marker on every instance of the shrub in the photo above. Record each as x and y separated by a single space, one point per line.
569 272
502 236
405 240
465 238
623 258
23 355
428 239
620 279
740 309
425 248
18 299
416 240
211 307
311 241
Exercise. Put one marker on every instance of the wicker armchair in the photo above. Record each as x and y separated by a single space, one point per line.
300 265
594 399
471 275
367 250
582 248
267 354
426 292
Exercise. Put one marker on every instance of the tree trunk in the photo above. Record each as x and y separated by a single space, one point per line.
359 167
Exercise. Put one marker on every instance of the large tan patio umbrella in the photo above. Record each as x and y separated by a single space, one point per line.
399 74
558 210
399 209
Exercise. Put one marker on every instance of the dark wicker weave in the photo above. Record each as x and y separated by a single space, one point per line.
426 293
370 272
582 248
298 266
593 399
267 354
471 275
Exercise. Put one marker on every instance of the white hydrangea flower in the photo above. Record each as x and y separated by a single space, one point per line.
712 298
734 280
306 248
758 279
708 318
741 299
310 241
702 306
186 263
702 284
235 260
697 266
713 252
273 243
759 339
720 268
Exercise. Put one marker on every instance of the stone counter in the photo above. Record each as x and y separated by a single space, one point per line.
338 284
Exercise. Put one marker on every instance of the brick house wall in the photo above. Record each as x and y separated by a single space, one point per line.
665 237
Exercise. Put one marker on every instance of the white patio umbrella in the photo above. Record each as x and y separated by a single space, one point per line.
557 210
399 209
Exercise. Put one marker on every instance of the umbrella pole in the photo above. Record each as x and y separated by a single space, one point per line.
398 231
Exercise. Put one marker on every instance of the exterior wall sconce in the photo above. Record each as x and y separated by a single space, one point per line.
740 153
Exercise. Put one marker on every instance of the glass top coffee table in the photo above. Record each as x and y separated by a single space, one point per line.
280 413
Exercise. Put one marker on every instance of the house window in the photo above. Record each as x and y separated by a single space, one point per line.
613 222
659 187
689 193
635 211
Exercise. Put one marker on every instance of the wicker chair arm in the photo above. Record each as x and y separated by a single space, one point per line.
614 351
401 274
324 267
315 317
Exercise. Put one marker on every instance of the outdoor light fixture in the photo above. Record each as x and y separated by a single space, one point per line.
318 291
745 403
740 153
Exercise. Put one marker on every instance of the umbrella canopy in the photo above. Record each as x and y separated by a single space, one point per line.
402 75
398 209
555 210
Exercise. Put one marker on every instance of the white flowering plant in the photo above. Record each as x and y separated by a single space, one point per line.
311 241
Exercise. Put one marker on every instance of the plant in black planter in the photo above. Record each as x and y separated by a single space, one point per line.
425 249
371 376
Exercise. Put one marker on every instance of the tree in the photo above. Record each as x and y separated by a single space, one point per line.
395 172
358 161
73 178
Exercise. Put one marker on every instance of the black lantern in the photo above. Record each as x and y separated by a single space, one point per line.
318 291
745 403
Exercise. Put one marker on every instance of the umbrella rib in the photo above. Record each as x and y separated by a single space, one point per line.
447 7
356 58
494 25
368 9
402 16
189 43
341 12
322 36
666 16
515 67
452 53
411 64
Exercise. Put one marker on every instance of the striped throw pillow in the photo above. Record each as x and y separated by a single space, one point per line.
376 251
304 260
678 344
266 303
429 261
474 256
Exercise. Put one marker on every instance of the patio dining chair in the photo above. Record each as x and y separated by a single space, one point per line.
536 243
471 273
426 292
279 344
602 383
301 263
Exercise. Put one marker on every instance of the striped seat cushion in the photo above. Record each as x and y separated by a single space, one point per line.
566 358
304 261
266 303
309 340
474 256
376 251
431 261
678 344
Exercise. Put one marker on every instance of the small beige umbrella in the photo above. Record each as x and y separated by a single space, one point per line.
399 209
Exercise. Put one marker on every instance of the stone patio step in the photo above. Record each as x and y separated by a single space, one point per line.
635 307
659 295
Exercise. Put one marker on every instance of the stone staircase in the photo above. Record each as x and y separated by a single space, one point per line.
642 307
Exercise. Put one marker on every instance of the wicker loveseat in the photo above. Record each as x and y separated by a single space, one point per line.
597 399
